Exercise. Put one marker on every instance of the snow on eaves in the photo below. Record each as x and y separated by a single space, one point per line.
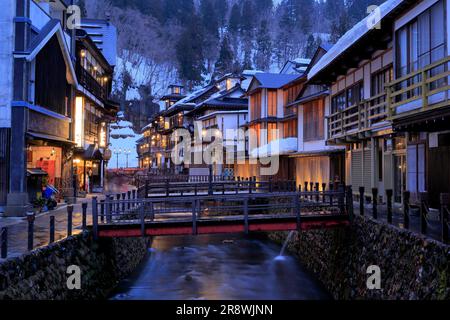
190 97
350 37
276 148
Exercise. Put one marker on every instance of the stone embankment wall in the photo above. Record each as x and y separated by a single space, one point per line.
42 274
412 266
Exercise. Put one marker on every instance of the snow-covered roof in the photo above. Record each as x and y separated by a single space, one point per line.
274 80
351 36
276 148
192 96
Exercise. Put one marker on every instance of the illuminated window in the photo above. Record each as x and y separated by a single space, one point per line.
79 122
272 103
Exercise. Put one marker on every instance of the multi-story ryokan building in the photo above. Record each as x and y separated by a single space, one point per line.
41 64
390 99
372 110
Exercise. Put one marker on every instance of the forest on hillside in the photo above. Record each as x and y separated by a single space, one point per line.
190 41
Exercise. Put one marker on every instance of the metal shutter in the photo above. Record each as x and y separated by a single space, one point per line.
357 168
367 173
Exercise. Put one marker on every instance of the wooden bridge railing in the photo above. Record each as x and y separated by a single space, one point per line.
168 189
304 208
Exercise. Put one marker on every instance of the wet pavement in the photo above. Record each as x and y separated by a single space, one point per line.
18 227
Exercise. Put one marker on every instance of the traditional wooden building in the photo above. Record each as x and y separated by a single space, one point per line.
272 124
37 102
222 114
388 99
93 113
36 107
315 160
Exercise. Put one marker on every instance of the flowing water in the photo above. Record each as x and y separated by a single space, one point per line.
219 268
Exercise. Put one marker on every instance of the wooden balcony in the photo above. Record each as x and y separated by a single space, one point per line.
361 117
90 83
422 91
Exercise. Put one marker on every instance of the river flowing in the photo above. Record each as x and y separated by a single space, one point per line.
219 268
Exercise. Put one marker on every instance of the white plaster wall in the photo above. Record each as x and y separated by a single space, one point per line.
280 103
6 61
300 144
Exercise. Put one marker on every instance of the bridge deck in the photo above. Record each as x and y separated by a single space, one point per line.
214 225
176 215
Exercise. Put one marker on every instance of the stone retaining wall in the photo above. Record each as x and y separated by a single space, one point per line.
41 274
412 267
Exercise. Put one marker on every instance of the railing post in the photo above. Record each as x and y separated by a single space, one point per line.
124 197
341 199
406 198
94 217
298 212
152 211
118 204
318 192
102 211
109 209
147 189
361 200
424 90
69 220
331 190
30 218
84 206
52 229
324 189
133 192
194 216
270 185
306 186
349 199
210 182
375 203
129 199
388 101
4 243
311 189
389 195
445 206
423 212
142 218
246 215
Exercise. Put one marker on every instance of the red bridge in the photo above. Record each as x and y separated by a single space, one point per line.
213 214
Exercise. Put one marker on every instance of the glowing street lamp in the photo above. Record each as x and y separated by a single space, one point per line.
117 152
127 153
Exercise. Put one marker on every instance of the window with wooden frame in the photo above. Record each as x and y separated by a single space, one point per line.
291 93
355 94
256 130
91 121
378 92
272 103
255 106
313 120
272 132
380 79
338 102
290 129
